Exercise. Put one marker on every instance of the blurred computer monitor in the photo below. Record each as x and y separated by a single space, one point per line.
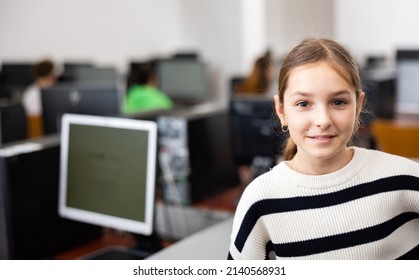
184 80
13 122
407 101
381 94
16 74
14 78
95 75
107 172
102 99
407 54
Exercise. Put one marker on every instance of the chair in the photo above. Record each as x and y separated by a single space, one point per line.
396 137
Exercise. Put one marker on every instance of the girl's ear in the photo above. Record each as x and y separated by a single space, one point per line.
279 108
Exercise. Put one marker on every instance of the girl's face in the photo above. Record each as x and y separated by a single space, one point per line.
320 110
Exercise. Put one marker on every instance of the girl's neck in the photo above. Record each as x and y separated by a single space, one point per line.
321 167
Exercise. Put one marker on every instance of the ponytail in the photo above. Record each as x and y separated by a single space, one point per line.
290 149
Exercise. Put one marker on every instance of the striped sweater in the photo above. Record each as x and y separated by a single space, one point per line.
369 209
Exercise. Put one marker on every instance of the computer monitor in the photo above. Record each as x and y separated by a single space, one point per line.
14 78
13 122
380 90
107 172
184 80
16 74
101 99
408 86
107 175
95 75
70 69
407 54
256 130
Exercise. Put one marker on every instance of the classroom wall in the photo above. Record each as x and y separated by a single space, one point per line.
290 21
105 31
377 26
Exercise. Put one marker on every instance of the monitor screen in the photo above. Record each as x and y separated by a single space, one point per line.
184 80
408 86
107 172
94 99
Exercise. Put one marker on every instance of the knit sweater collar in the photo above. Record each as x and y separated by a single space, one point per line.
334 179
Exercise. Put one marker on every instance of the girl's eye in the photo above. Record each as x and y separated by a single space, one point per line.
339 102
302 104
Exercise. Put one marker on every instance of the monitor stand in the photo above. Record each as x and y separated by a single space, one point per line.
146 246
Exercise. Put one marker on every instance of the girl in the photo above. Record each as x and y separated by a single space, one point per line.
327 200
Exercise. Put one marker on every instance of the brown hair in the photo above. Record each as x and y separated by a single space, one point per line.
43 69
315 50
258 81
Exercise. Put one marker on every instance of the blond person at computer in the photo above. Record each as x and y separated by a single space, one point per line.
44 77
143 95
327 199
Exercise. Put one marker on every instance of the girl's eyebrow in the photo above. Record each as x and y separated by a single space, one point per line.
341 92
308 94
301 93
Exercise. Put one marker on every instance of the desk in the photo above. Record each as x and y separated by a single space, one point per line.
197 246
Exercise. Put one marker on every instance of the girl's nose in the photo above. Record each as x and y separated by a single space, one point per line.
323 119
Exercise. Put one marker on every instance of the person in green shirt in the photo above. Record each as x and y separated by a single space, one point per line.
143 95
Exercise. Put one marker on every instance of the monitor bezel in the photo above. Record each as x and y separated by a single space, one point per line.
140 227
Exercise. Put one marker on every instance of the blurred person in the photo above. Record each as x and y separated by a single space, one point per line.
260 80
44 77
144 95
